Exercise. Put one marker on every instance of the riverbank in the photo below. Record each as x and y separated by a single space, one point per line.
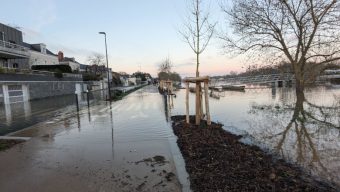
217 161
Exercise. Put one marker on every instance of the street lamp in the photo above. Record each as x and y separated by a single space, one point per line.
107 66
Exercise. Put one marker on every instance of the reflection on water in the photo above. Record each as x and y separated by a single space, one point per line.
303 129
302 132
17 116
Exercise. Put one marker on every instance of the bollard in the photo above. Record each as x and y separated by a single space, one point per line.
88 99
77 102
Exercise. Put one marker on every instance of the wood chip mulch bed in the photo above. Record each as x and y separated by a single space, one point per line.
217 161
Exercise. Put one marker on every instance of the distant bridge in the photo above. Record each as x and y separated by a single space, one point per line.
269 78
257 79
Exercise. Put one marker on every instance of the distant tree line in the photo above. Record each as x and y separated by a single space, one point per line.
165 71
143 76
283 67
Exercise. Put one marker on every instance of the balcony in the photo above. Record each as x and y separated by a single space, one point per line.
12 51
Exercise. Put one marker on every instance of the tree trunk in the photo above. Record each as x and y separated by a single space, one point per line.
198 38
197 64
300 99
299 78
300 86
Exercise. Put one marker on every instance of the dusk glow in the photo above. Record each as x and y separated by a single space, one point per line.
139 32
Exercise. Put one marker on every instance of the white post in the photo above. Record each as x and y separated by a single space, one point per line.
8 112
25 93
79 91
27 109
5 93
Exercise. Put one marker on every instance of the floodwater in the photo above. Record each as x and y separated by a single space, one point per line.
305 131
102 148
101 145
18 116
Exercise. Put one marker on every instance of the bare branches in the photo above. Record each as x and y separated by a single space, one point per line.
165 66
304 31
197 30
96 59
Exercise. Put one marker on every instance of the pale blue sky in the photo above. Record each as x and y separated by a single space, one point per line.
139 32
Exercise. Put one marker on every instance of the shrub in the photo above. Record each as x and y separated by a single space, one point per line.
53 68
91 77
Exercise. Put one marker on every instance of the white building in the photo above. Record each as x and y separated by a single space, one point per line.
39 55
124 80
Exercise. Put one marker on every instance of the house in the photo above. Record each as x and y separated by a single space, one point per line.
70 61
82 68
134 80
124 80
40 55
13 54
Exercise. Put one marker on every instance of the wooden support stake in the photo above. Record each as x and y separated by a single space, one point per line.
198 104
207 102
172 88
201 102
187 102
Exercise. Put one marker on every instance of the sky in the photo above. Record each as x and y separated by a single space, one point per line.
140 33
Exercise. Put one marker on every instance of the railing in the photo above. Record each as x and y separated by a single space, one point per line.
258 78
36 72
9 45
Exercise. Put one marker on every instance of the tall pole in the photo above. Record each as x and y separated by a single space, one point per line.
107 66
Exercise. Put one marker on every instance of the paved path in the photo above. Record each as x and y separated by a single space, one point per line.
97 150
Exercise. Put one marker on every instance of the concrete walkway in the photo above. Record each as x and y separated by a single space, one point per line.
106 148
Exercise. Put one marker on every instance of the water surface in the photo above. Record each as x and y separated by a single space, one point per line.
304 131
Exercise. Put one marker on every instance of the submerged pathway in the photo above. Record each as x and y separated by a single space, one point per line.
123 146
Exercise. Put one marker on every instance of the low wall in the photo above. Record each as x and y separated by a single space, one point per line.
38 77
23 87
38 90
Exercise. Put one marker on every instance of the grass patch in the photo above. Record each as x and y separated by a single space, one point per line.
119 95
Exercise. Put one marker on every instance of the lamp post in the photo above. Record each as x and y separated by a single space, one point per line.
107 66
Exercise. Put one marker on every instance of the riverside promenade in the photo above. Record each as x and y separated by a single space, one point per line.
127 145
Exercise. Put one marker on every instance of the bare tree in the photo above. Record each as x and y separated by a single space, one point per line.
197 30
165 66
97 63
306 33
96 59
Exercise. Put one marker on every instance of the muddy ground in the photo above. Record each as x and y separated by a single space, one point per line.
217 161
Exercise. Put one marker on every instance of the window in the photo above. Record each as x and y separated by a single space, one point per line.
15 65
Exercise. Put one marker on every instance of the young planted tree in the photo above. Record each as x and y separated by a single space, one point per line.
197 30
306 33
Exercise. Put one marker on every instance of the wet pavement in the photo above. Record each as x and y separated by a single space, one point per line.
110 147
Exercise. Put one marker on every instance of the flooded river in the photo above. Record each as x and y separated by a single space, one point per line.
305 131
